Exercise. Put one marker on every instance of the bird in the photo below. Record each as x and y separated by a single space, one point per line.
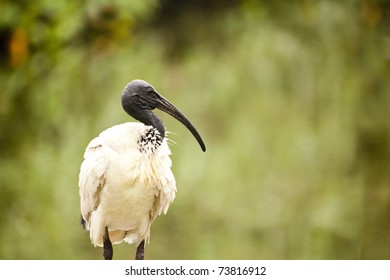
125 179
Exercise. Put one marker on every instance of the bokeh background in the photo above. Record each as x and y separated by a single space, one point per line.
292 99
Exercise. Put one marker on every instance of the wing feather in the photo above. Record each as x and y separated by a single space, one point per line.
92 178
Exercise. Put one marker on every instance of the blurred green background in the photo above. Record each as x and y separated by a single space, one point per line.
292 99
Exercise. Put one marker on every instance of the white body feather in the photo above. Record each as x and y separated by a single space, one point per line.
124 187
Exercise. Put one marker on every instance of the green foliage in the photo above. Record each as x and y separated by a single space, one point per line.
292 102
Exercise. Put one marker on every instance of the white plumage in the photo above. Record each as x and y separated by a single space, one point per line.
123 187
125 179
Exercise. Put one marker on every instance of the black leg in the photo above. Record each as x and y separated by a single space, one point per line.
140 251
107 246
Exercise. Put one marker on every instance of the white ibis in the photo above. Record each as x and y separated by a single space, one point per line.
125 179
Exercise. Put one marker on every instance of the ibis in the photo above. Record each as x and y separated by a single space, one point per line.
125 180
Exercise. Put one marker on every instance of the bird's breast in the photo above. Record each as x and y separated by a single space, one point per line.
137 176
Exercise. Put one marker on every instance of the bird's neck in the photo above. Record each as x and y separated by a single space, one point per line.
148 117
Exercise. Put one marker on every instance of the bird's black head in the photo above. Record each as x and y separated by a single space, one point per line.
139 99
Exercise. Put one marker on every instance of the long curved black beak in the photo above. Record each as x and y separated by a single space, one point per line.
167 107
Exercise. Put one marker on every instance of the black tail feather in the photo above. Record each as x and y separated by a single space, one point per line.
82 221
